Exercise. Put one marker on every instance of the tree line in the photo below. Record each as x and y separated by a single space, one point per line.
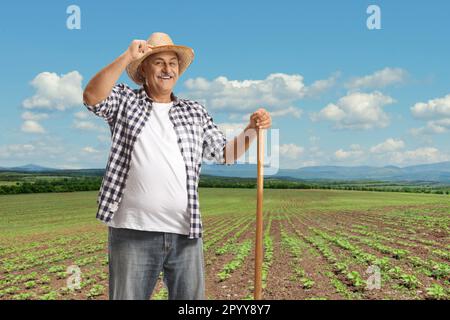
94 183
56 185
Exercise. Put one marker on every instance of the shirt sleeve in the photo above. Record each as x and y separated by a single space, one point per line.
214 141
109 107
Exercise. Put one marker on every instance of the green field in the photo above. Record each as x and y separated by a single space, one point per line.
318 245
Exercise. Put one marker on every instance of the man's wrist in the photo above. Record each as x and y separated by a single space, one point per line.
249 127
126 56
250 132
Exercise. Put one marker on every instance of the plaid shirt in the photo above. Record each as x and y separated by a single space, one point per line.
126 110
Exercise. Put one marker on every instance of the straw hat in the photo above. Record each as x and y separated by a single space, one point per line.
161 42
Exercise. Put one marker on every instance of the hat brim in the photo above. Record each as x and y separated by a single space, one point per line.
185 58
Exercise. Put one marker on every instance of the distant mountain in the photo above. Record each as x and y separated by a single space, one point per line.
441 166
29 168
236 170
436 172
32 168
439 172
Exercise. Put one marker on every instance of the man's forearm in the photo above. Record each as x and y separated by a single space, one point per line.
100 86
239 145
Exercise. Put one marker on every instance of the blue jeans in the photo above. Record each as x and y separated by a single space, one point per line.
136 259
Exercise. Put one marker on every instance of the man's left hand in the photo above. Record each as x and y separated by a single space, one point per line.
260 119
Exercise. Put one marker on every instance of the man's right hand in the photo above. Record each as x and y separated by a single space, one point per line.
100 86
137 49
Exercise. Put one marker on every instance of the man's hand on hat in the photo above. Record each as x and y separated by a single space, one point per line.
137 49
260 119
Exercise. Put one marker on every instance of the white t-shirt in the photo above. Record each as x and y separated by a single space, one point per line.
155 196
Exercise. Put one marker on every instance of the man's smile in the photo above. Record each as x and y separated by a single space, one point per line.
166 77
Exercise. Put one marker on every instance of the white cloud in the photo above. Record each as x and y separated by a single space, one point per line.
355 153
291 151
357 110
390 145
7 151
82 115
437 112
331 112
89 149
85 125
320 86
390 151
32 151
31 126
230 129
295 112
433 109
27 115
291 156
104 138
277 92
379 79
51 151
432 127
308 163
84 121
419 156
55 92
439 126
89 126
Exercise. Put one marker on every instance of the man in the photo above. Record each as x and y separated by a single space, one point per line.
149 194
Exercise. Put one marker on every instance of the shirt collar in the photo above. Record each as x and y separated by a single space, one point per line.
142 94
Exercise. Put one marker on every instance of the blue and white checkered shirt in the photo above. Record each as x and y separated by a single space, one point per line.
126 110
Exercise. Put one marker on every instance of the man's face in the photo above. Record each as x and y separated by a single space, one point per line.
161 72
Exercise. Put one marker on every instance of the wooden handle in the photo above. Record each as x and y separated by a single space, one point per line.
259 216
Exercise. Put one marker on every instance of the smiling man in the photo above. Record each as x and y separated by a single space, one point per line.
149 194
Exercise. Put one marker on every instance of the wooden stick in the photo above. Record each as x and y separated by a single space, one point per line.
259 216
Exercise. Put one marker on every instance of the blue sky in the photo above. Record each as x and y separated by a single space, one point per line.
341 94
